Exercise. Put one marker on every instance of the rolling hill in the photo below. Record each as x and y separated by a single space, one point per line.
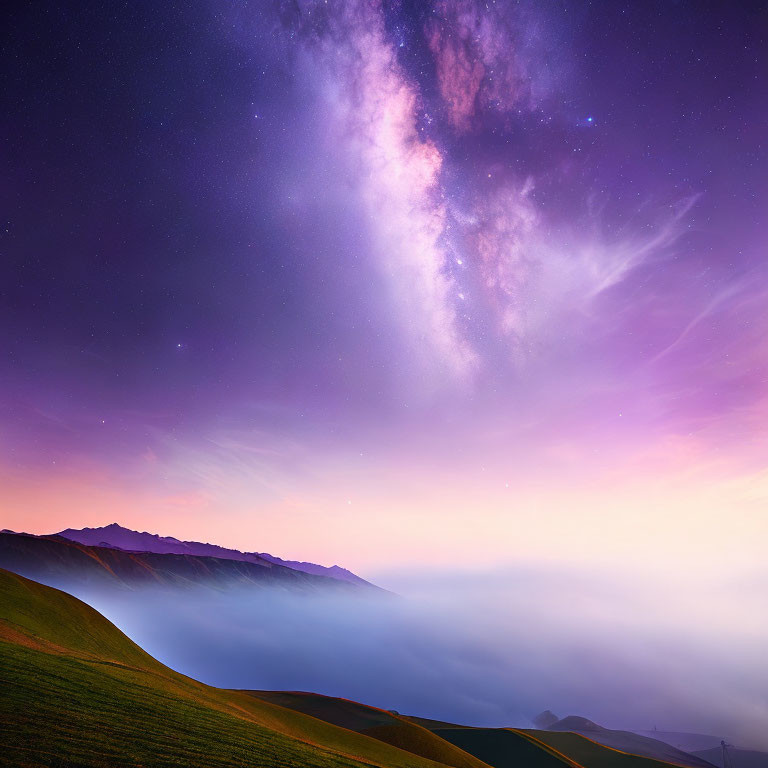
586 751
628 741
377 723
75 691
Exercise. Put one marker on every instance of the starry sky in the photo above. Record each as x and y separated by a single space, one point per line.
389 282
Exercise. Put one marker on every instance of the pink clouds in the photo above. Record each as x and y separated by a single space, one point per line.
459 74
543 282
478 62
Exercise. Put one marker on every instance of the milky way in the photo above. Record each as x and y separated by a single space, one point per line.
306 276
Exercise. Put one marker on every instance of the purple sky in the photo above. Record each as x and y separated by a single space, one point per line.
334 279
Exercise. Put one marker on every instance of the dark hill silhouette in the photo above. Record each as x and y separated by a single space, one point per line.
59 562
545 719
118 537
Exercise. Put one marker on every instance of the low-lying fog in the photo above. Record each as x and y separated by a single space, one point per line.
490 648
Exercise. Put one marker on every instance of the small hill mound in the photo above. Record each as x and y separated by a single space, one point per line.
545 719
575 723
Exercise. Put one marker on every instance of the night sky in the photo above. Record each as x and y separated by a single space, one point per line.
338 279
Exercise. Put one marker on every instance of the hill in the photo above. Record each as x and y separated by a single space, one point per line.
587 751
628 741
118 537
63 563
76 691
496 746
493 744
377 723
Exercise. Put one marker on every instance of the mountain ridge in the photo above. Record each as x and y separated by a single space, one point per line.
117 536
63 563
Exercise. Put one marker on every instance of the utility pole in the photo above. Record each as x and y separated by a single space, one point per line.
726 756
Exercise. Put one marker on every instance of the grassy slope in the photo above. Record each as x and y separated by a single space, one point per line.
76 691
378 723
587 752
432 725
499 747
502 748
629 742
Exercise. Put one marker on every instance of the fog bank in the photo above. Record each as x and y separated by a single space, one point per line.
492 648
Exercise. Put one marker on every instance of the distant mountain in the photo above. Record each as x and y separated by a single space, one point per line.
628 741
333 571
117 537
545 719
576 724
60 562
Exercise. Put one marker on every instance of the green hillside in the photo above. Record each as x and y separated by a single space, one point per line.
496 746
377 723
75 691
587 752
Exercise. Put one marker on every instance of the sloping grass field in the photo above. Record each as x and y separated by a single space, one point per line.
75 691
